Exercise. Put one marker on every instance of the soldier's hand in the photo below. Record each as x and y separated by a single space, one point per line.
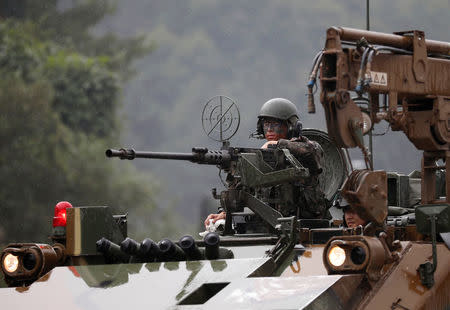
266 145
214 218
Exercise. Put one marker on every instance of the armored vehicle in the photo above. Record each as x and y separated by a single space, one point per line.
261 258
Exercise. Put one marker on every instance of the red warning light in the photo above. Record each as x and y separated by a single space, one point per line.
60 213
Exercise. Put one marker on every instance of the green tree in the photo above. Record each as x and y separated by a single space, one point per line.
30 164
58 113
43 161
72 27
86 93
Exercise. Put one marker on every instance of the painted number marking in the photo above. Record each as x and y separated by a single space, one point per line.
379 78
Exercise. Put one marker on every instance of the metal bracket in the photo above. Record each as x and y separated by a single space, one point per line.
427 269
288 239
287 225
253 176
267 213
419 54
426 274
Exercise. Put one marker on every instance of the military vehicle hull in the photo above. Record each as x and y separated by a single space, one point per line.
248 281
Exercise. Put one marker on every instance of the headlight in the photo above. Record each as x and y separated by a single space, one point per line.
336 256
10 262
354 254
24 263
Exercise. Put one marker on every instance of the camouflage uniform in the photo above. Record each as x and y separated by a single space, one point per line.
309 200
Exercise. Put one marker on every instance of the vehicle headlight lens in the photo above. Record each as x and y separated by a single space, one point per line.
336 256
10 263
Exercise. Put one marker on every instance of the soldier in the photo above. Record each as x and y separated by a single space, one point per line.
279 124
351 217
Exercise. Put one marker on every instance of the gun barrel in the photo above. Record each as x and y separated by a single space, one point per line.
199 155
132 154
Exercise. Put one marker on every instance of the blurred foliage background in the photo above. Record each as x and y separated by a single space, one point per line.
81 76
60 97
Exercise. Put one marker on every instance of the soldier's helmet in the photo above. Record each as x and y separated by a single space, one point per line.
281 109
342 204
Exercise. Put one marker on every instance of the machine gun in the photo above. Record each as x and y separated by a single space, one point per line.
248 169
249 166
259 179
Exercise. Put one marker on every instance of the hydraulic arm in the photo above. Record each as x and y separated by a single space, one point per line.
402 78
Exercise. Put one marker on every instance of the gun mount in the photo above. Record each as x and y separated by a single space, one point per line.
251 170
247 170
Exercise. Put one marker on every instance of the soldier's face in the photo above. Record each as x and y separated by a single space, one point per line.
274 130
352 218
